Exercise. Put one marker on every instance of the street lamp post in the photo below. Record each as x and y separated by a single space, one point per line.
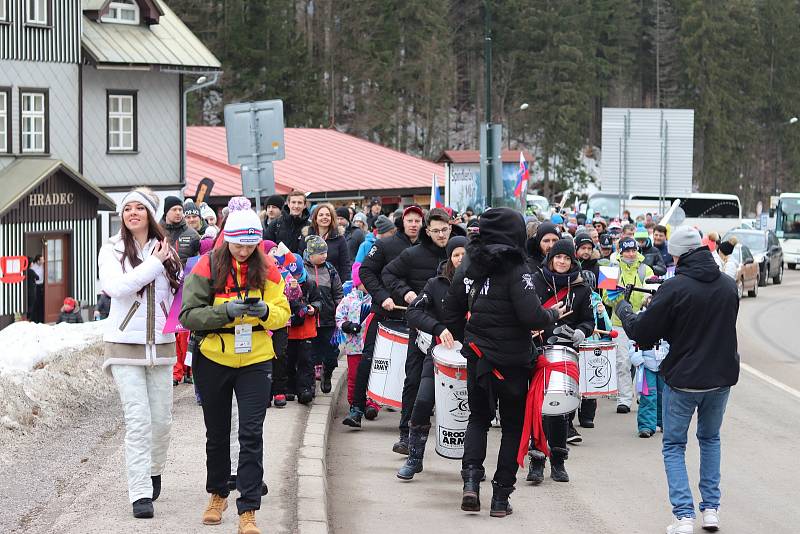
200 83
487 59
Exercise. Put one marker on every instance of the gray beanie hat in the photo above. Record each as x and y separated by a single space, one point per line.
683 239
383 224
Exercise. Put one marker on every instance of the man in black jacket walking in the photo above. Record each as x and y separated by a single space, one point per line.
288 228
185 240
383 305
696 313
405 277
495 284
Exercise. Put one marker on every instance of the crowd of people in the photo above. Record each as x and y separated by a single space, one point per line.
270 300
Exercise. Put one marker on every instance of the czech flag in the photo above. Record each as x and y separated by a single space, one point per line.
609 277
436 197
522 176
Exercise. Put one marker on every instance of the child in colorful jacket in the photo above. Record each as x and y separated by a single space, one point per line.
302 330
329 283
649 385
350 317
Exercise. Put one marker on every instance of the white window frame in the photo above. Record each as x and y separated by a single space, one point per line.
37 12
121 116
5 113
116 7
28 118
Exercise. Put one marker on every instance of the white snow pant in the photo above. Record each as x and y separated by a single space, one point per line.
146 395
234 435
624 381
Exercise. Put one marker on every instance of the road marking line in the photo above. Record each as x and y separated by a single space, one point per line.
768 379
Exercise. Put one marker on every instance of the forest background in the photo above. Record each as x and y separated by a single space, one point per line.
409 74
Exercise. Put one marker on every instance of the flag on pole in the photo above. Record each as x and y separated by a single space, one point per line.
608 277
436 197
522 177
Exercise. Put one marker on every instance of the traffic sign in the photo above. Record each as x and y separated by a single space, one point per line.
254 133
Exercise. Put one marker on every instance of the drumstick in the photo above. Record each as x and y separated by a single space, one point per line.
610 333
400 308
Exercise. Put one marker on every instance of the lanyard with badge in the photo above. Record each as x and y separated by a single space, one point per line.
242 333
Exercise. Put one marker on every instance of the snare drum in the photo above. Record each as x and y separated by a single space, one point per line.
562 394
389 364
598 367
452 407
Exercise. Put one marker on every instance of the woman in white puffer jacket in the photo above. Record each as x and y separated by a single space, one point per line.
139 271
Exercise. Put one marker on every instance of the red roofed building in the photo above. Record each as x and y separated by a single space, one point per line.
328 164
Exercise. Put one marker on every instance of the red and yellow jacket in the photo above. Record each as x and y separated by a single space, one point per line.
203 312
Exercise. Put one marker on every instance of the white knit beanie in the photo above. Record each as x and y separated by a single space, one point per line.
243 225
682 240
144 196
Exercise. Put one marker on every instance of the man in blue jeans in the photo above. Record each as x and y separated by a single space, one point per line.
696 313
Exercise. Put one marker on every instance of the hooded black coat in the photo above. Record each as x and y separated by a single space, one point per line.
412 269
506 308
696 313
288 229
381 253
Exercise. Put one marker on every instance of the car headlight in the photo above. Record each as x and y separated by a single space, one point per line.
759 258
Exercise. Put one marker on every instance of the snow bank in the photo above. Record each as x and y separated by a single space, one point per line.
23 345
49 375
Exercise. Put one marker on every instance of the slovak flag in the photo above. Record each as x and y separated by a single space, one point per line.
436 197
522 176
609 277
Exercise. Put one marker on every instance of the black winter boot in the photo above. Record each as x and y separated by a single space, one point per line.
470 500
401 447
557 470
500 505
417 437
143 509
325 383
536 469
156 486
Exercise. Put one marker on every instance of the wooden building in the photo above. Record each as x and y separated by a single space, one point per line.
90 107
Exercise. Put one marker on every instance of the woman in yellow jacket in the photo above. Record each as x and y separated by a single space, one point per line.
232 300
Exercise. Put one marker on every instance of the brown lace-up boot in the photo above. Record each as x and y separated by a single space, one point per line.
247 523
213 513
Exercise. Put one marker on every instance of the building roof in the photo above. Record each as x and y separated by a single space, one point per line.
25 174
168 44
474 156
317 161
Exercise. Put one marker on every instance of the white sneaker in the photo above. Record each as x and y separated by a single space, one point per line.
682 525
711 519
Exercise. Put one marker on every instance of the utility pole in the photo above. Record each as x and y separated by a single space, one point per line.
487 58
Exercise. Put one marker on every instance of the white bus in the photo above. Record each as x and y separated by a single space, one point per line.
707 211
787 227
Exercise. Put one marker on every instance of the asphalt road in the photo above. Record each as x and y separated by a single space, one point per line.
617 479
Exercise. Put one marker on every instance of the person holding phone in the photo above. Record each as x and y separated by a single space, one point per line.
232 299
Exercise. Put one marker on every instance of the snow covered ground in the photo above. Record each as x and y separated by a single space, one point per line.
48 375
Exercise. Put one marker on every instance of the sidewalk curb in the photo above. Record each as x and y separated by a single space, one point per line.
312 472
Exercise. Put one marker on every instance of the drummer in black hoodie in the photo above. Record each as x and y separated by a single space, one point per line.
560 280
406 277
426 314
383 305
495 284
